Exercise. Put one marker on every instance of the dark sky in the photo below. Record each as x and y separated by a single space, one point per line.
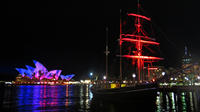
71 35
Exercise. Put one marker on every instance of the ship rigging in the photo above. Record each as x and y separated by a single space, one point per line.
138 39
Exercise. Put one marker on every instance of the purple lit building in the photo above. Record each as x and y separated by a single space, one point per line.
40 72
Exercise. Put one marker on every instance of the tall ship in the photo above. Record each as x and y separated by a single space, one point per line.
137 42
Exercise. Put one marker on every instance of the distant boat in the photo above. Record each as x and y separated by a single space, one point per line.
145 88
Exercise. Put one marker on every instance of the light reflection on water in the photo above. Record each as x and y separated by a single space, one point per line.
53 98
77 98
178 101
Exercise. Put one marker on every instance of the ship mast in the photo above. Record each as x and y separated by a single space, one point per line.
107 52
139 38
120 47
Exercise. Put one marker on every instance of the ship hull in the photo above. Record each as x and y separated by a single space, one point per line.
126 94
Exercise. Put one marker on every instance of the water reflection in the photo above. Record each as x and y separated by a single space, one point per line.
178 101
52 98
102 106
79 98
34 98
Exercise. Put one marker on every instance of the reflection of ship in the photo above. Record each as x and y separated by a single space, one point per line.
138 42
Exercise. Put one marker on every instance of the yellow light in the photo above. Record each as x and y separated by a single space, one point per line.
123 85
113 85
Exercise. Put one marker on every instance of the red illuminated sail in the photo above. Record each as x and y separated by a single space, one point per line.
139 16
142 57
141 41
139 38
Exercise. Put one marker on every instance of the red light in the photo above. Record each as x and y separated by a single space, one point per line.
141 41
140 16
153 68
142 57
131 35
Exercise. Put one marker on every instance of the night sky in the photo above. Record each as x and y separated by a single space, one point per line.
71 35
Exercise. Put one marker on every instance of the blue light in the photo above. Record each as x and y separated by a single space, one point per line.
21 71
67 77
40 98
30 68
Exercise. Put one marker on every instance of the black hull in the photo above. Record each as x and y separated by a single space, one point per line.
126 94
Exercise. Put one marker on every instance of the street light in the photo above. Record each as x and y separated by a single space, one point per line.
134 75
163 73
104 77
91 74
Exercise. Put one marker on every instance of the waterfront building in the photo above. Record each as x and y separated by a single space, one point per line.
190 74
40 74
186 59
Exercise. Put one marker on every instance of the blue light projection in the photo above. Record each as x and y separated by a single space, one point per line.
40 66
67 77
30 68
40 72
21 71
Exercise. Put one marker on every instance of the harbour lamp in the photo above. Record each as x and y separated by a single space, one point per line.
104 77
133 75
163 73
91 74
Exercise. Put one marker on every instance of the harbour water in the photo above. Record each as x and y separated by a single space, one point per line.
78 98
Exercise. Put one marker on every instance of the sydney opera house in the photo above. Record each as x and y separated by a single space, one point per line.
39 75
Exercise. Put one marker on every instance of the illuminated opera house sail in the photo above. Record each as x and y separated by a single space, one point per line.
40 72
